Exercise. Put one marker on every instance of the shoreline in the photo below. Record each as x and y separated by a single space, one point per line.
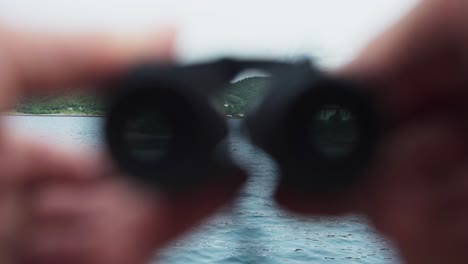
73 115
52 115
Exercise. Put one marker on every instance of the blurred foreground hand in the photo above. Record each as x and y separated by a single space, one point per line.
60 206
417 192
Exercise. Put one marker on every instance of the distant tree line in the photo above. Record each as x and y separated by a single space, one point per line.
235 100
70 103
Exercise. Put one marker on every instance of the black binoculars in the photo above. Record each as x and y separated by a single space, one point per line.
164 128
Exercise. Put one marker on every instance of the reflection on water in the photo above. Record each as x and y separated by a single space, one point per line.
79 131
254 230
334 131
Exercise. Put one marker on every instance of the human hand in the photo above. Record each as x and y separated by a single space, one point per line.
417 191
64 206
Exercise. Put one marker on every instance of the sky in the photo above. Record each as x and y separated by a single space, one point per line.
331 31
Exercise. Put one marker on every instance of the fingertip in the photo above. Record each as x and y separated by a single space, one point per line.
178 213
158 46
164 44
41 61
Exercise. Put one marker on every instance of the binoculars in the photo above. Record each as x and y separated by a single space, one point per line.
165 129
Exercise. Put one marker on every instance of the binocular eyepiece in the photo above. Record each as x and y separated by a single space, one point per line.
165 129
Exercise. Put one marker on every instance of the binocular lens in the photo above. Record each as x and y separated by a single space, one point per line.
163 135
147 135
334 131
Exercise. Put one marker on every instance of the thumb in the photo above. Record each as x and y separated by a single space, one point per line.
416 65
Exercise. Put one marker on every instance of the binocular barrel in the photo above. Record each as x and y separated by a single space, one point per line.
164 128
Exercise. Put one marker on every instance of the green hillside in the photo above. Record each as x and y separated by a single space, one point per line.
235 100
73 103
240 95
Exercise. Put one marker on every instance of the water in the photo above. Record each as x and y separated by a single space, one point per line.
255 230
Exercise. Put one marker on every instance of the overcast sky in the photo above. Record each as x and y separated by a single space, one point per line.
332 30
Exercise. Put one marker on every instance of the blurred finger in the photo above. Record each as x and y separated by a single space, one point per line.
113 221
413 197
182 212
417 65
38 61
414 69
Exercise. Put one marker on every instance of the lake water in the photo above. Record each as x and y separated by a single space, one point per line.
255 230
